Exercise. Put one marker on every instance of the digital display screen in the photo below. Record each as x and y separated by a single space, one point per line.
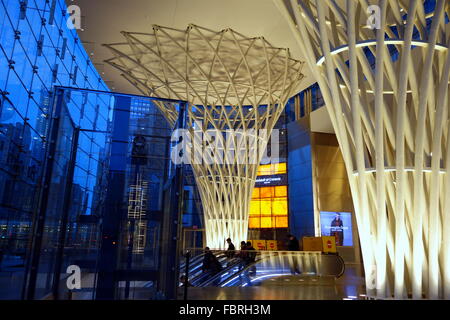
339 225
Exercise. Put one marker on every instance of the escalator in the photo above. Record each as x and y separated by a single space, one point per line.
263 269
241 277
267 265
231 267
196 275
194 262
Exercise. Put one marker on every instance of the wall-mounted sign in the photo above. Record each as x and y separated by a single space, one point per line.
272 180
259 244
329 244
272 244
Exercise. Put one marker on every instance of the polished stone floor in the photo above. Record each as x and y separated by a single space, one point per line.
349 286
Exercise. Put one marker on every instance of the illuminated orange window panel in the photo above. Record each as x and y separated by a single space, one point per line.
255 193
266 222
266 207
254 222
281 222
279 207
280 168
280 191
266 192
264 170
255 208
273 168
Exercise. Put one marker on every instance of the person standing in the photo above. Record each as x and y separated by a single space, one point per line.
242 254
243 251
293 245
210 262
231 249
337 230
251 254
251 257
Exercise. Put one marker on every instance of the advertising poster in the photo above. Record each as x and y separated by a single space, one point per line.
339 225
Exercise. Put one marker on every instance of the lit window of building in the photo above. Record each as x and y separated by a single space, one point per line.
269 204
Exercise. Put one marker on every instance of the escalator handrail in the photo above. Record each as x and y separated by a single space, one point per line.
183 264
200 263
196 261
234 263
198 266
199 256
198 280
236 274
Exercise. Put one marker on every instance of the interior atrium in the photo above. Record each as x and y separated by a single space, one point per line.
224 150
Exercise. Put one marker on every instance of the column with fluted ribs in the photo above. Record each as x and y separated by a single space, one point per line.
383 69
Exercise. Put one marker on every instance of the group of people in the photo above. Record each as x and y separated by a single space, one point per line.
210 262
247 255
247 252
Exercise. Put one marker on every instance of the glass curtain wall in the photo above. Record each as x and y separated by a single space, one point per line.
106 209
37 52
73 204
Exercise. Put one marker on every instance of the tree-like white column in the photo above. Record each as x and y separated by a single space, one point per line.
236 87
383 69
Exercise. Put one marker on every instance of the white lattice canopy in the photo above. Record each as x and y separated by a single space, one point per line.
232 83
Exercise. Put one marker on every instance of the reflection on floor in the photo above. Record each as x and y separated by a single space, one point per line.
349 286
12 269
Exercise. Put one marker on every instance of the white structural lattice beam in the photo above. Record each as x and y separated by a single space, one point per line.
386 91
236 87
